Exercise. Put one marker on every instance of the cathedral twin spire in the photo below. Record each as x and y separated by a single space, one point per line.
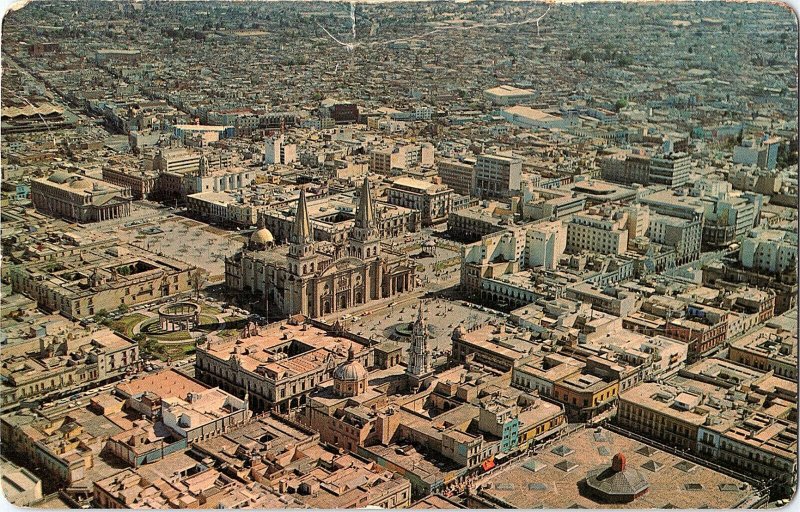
301 229
365 214
364 231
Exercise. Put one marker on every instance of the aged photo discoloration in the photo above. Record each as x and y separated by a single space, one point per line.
445 255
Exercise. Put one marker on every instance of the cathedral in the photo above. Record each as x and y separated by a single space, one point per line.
319 278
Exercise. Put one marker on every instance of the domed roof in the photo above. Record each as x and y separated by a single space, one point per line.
262 236
617 481
59 177
80 184
350 371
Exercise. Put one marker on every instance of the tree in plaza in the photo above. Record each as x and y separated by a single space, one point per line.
198 279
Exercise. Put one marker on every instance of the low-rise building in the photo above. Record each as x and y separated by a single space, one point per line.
607 300
80 282
768 349
508 95
80 198
594 468
182 483
278 367
64 363
587 393
20 487
203 414
527 117
497 346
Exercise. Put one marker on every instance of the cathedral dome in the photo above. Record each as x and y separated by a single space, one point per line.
80 184
350 377
350 371
262 236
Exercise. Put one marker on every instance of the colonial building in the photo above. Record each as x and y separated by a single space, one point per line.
277 368
319 278
81 282
79 198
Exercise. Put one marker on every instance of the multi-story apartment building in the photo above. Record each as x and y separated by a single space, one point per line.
670 169
433 201
276 151
496 254
497 176
626 168
457 174
727 219
476 221
601 229
395 157
684 235
545 244
769 251
762 154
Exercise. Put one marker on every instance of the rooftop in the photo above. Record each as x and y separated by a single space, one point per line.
554 481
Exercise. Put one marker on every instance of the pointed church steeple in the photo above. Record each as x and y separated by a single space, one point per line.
301 229
365 214
302 249
364 239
